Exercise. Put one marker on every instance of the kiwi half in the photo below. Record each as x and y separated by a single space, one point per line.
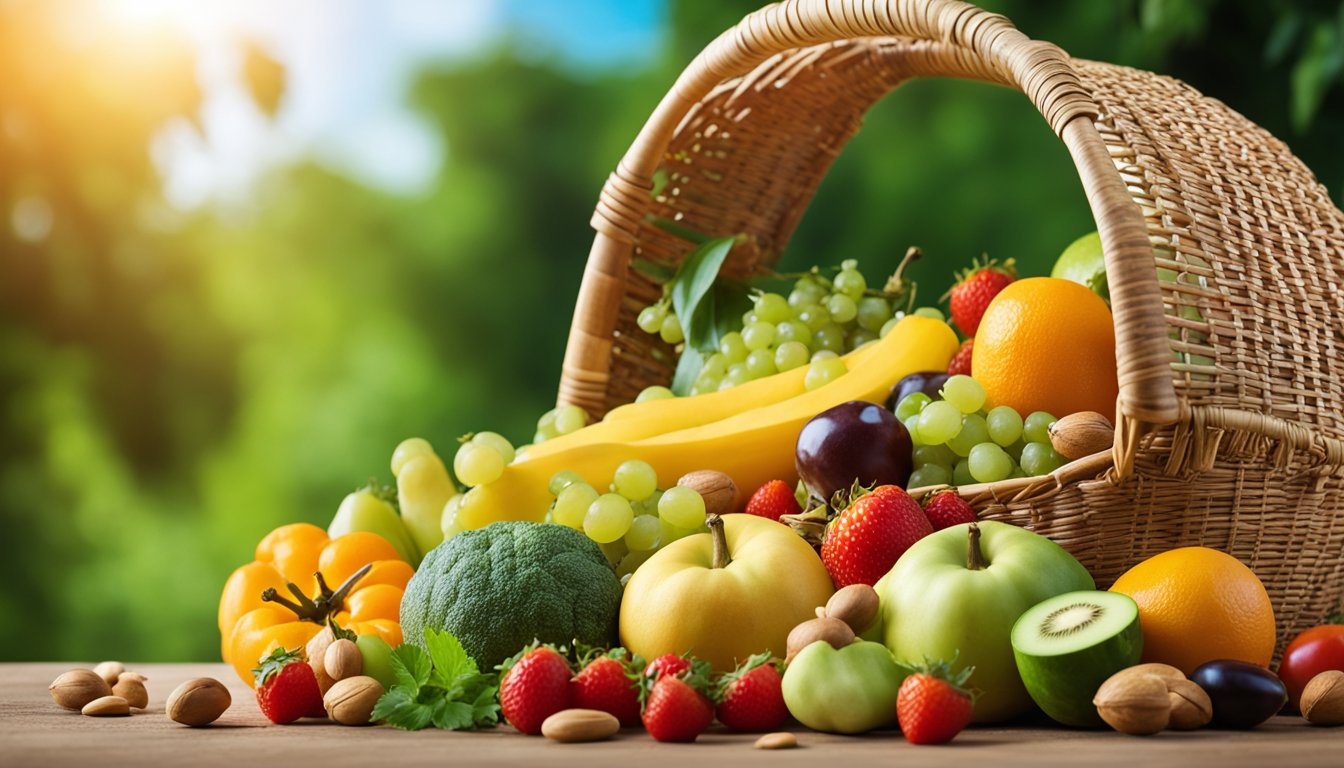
1066 647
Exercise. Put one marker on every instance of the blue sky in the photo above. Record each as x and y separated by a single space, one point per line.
348 64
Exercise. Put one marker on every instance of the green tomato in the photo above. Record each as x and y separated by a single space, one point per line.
941 602
377 659
850 690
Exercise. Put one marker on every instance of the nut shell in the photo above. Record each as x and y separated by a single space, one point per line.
834 631
110 671
574 726
1191 707
343 660
198 702
131 687
1081 434
107 706
856 605
1322 701
717 489
316 653
78 687
351 701
1136 704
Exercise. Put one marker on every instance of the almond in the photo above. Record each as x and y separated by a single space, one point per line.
343 660
131 687
717 489
1134 703
198 702
78 687
572 726
1081 434
351 701
109 671
834 631
856 605
316 652
1322 701
780 740
107 706
1191 707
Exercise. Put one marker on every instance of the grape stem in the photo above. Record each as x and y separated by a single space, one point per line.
721 556
975 559
327 603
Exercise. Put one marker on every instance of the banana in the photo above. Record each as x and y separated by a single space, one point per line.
753 446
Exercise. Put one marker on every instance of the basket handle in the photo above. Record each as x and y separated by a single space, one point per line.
1040 70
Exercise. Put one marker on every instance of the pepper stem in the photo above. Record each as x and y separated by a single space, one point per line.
327 604
975 559
721 556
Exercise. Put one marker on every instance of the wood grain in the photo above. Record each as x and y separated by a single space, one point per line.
34 731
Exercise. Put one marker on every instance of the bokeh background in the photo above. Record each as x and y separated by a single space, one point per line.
246 247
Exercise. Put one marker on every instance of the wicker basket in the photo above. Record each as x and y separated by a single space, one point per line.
1236 446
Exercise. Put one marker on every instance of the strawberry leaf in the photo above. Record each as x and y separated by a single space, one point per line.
399 709
449 658
411 666
271 665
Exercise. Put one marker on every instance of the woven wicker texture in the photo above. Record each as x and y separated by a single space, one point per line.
1230 433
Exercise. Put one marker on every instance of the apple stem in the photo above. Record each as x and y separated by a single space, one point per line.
975 559
721 556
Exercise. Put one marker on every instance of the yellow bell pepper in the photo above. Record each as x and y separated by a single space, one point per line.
255 617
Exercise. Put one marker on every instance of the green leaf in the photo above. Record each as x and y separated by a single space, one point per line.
732 300
399 709
449 657
677 230
692 287
485 708
688 367
411 667
1282 37
453 715
1315 71
655 272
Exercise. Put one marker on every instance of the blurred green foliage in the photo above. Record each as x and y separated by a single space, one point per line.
172 385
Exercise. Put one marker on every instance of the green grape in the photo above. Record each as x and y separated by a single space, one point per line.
496 441
546 426
716 364
911 405
635 480
887 326
831 337
929 474
1015 450
961 473
476 464
572 503
737 374
964 392
1005 425
656 393
706 382
814 316
939 422
842 308
1040 459
1036 429
772 308
570 418
650 318
823 372
682 507
761 363
850 282
562 480
1016 473
823 354
792 330
932 313
749 317
803 295
790 355
631 562
614 551
873 313
608 518
973 432
671 330
912 427
935 454
758 335
733 348
410 448
989 463
643 534
858 337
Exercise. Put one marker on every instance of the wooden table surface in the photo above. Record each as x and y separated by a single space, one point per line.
34 731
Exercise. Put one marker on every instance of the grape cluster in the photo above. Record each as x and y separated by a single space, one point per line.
817 322
633 518
957 442
558 421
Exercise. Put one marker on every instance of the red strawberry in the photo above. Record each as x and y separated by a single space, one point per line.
287 688
773 499
667 664
865 540
932 705
605 683
750 697
961 362
535 686
946 509
974 289
677 708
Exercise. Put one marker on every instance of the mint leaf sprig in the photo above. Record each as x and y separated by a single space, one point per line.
443 688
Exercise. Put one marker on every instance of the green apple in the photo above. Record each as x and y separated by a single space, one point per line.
957 593
377 655
847 690
1082 263
369 510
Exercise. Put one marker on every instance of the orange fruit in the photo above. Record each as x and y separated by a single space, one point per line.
1198 604
1046 344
